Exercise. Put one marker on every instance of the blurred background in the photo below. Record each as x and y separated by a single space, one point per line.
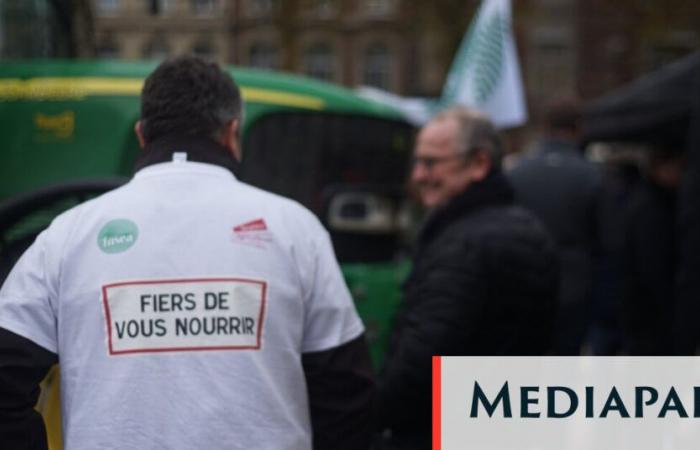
633 65
582 47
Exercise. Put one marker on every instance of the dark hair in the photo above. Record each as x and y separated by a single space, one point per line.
189 96
563 113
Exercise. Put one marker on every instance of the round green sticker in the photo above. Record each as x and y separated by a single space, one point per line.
117 236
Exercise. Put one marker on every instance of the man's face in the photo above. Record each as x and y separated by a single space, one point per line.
439 173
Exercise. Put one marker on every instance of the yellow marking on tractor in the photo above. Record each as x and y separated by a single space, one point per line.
281 98
66 88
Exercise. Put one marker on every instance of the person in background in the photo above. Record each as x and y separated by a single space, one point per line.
561 188
651 257
620 174
484 275
188 310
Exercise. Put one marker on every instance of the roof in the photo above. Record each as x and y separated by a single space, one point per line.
60 79
657 107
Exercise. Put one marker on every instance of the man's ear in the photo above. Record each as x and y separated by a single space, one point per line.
139 134
231 139
480 165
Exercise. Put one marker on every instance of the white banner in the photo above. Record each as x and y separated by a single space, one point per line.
561 403
184 315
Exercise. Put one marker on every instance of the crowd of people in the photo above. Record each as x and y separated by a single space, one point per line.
556 256
615 225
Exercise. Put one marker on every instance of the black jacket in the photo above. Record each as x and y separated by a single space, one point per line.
484 282
561 188
651 260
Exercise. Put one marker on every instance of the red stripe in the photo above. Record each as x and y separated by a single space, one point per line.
255 225
437 403
108 317
262 313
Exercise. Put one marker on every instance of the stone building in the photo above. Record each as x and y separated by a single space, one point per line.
346 42
155 29
584 47
620 39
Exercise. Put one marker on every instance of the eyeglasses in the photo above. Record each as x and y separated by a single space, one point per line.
431 161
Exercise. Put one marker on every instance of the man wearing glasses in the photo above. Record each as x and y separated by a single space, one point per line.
484 273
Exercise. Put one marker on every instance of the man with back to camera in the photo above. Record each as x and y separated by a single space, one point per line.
650 256
188 310
562 188
484 272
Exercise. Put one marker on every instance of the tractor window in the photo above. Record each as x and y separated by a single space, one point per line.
314 157
299 155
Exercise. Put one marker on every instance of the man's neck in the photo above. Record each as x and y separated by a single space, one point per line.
197 148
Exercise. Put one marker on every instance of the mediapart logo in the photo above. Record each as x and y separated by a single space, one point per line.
117 236
566 403
562 402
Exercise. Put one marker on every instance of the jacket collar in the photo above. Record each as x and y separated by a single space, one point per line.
558 145
492 190
198 149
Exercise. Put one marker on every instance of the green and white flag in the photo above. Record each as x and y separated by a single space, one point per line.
485 74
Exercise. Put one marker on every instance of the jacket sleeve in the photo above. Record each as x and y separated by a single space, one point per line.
649 279
23 364
341 390
686 330
433 320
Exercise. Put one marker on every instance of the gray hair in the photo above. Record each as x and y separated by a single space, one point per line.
476 132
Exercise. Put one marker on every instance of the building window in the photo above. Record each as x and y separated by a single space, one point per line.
670 48
263 56
203 7
107 50
160 7
378 67
203 49
260 8
325 8
108 7
380 8
157 49
318 62
32 29
553 61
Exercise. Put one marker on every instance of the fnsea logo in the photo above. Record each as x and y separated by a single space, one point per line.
117 236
